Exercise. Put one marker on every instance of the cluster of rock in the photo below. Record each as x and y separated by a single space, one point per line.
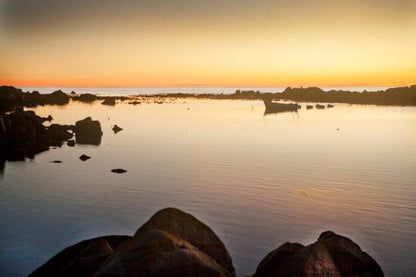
22 134
12 98
174 243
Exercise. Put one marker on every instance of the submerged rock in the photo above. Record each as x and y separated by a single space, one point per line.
84 157
118 170
85 97
116 129
109 101
88 131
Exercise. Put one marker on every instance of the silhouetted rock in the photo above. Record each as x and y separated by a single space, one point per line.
88 131
118 170
308 107
330 106
86 97
158 253
319 106
117 129
109 101
57 134
277 257
174 243
84 157
135 103
71 143
331 255
81 259
348 256
58 98
49 118
23 135
56 162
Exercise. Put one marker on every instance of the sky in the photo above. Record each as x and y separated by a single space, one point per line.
216 43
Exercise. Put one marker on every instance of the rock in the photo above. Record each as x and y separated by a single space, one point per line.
23 135
88 131
188 228
84 157
277 257
116 129
109 101
135 103
57 98
70 143
86 97
57 133
331 255
118 170
49 118
158 253
56 162
81 259
348 256
73 93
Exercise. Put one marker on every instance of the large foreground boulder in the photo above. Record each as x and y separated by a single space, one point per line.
172 243
158 253
88 131
81 259
186 227
331 255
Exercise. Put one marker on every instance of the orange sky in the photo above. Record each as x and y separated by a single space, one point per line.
220 43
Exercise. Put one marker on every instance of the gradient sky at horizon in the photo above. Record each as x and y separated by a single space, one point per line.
208 43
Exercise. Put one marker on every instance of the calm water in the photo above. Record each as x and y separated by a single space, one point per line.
258 181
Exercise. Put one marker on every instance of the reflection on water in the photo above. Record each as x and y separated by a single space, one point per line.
257 181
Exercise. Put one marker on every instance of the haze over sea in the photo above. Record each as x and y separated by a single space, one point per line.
110 91
258 180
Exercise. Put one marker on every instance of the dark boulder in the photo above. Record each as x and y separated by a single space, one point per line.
81 259
110 101
348 256
86 97
22 135
57 134
331 255
157 253
116 129
277 257
188 228
56 98
161 247
88 131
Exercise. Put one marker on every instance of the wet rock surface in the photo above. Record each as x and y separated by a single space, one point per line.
175 243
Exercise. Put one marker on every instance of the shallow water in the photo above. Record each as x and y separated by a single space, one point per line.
257 181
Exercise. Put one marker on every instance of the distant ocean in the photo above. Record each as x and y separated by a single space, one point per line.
149 91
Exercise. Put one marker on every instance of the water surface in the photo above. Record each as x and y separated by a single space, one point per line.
257 181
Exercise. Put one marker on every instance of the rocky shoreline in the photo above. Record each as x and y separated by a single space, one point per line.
12 98
175 243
